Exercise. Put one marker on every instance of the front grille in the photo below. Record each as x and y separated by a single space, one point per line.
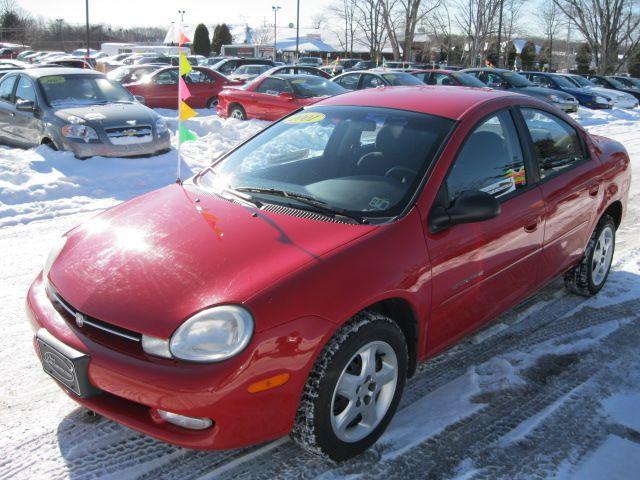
130 134
97 329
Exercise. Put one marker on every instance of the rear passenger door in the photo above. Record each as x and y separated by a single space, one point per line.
349 81
27 125
481 269
7 112
570 192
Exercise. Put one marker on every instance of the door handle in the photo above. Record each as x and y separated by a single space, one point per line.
594 188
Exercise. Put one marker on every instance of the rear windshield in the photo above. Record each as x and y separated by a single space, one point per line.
467 80
365 160
70 89
401 79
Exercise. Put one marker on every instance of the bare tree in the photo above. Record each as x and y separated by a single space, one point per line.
262 36
610 28
440 26
369 18
511 15
391 23
404 16
345 12
477 19
550 20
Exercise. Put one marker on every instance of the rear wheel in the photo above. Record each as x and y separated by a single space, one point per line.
212 103
589 276
237 112
354 388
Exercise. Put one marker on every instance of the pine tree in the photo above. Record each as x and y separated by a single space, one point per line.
634 63
201 42
221 36
583 58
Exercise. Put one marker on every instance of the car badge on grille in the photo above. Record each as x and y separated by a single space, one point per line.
131 122
130 133
79 319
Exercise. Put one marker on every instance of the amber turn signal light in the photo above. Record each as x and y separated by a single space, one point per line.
268 383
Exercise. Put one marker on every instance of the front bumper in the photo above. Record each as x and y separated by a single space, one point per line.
104 148
132 386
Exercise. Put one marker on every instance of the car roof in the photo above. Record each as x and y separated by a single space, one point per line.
45 72
293 76
443 101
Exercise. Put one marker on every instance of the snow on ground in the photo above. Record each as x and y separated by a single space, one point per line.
551 389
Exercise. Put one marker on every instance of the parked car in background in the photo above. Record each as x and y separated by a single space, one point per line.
209 62
340 66
619 99
175 60
132 73
70 62
585 97
154 59
447 78
364 65
227 66
627 81
274 96
77 110
294 285
246 73
501 79
82 52
297 70
311 61
371 79
613 84
25 53
12 63
160 88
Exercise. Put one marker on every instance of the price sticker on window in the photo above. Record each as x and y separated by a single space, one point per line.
305 117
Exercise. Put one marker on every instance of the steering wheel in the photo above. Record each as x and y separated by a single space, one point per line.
400 173
368 157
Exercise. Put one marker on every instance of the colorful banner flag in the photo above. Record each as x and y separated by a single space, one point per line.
185 66
186 112
186 135
183 89
183 39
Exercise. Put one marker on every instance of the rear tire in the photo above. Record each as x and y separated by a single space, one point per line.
353 389
237 112
212 103
589 276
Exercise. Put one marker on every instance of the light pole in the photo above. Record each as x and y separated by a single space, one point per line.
500 31
88 35
59 22
182 12
275 9
297 28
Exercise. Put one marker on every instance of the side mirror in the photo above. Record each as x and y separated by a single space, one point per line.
139 98
25 106
471 206
287 95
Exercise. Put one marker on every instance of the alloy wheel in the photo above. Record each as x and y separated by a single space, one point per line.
602 256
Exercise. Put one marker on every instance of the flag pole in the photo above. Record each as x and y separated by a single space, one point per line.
180 36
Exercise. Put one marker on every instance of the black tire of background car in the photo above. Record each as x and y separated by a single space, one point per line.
312 429
578 280
212 103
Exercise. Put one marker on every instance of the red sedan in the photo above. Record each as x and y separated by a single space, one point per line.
272 97
160 88
294 285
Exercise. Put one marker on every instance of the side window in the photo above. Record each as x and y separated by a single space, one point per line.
440 79
25 90
556 143
422 76
491 160
493 79
228 67
371 81
168 77
350 82
198 76
273 86
541 80
6 88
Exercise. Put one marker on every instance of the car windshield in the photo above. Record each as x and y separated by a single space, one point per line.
616 83
627 82
309 60
363 160
467 80
563 81
516 80
583 82
401 78
310 86
72 89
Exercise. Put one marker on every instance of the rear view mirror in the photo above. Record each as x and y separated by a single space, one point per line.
25 106
470 206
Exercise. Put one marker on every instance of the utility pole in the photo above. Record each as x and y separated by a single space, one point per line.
88 34
182 12
297 29
500 32
59 21
275 31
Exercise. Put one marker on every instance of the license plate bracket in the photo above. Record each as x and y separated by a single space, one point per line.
65 364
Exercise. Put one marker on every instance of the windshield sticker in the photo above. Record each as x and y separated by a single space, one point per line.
378 203
298 81
52 79
305 117
504 186
95 116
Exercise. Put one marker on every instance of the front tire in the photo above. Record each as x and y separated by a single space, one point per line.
589 276
354 388
237 112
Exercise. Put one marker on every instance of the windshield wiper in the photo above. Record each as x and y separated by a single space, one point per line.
244 197
315 204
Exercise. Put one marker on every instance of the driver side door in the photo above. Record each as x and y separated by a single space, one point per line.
163 90
481 269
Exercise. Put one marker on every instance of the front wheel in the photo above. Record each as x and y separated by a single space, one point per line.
589 276
354 388
238 113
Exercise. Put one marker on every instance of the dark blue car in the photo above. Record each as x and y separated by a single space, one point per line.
558 82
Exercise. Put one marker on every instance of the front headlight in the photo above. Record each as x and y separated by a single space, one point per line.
212 335
600 100
80 132
553 98
161 126
53 255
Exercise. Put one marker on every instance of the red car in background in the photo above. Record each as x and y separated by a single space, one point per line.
273 97
160 88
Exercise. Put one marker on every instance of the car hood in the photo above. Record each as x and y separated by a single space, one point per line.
543 92
109 114
150 263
